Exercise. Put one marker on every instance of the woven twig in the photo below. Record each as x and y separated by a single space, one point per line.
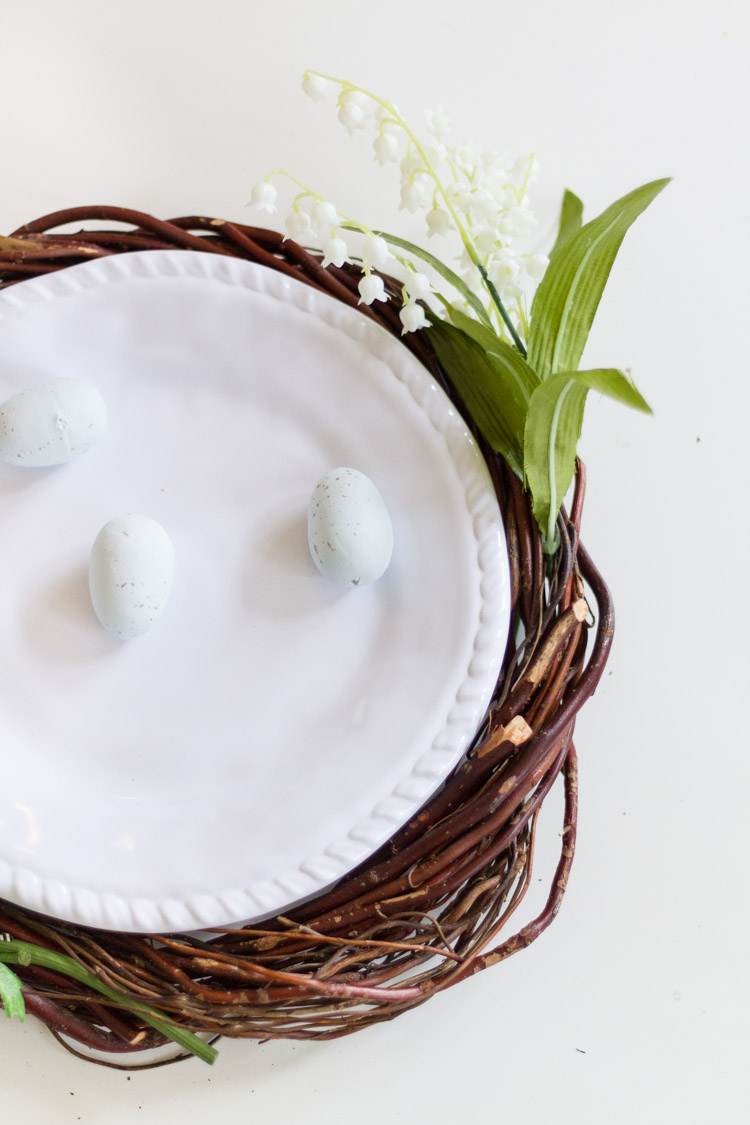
431 907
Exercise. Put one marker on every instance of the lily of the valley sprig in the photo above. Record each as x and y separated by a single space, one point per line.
508 325
481 197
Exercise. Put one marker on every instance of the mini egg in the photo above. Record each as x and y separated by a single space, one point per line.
130 575
348 528
51 423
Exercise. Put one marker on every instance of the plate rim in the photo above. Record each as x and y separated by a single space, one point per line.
78 904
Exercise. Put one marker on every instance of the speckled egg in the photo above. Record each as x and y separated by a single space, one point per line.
349 529
130 575
51 423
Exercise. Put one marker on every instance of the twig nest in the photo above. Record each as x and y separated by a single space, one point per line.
349 529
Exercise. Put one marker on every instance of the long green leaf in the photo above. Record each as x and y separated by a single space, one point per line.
571 218
11 996
553 427
613 383
569 293
493 400
513 362
21 952
445 272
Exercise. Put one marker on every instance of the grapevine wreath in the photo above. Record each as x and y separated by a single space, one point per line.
434 904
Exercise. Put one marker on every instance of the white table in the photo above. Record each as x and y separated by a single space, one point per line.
632 1007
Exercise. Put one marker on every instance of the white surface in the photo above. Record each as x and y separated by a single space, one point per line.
645 969
263 688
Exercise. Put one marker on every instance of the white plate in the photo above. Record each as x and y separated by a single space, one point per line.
274 728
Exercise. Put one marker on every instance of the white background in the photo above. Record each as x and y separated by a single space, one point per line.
633 1006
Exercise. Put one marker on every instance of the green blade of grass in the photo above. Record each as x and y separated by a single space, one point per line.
23 953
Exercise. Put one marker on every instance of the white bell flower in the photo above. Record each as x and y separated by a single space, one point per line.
418 287
460 198
485 241
468 155
484 205
264 196
335 252
316 87
435 152
522 216
375 251
391 115
509 223
438 222
410 165
371 288
352 117
357 98
298 225
519 169
386 148
498 163
504 268
535 265
413 196
438 121
511 290
412 318
325 215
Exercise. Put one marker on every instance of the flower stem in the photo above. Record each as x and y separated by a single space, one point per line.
308 191
502 310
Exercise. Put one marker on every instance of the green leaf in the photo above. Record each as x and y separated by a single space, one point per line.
571 217
513 362
569 293
491 393
22 952
11 996
613 383
447 274
553 427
